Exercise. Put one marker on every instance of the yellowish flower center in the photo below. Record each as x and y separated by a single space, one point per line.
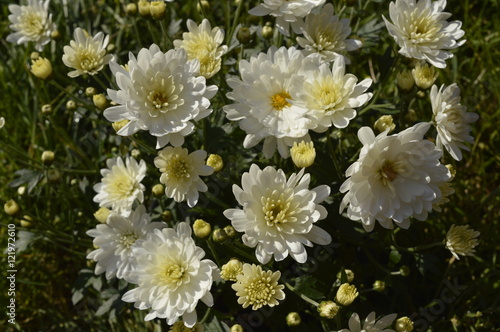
260 291
388 172
178 167
121 186
128 239
278 208
173 274
162 95
87 60
422 28
31 23
279 100
326 94
326 37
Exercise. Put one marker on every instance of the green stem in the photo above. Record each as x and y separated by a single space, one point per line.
302 296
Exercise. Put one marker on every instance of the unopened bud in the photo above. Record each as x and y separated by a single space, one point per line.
201 228
26 221
215 161
379 285
405 80
144 8
41 68
236 328
90 91
244 35
70 105
328 309
157 9
346 294
21 190
404 324
102 214
55 35
34 55
135 153
293 319
230 231
267 31
47 109
219 235
53 175
166 216
131 9
11 207
48 157
158 190
202 5
404 270
384 122
349 274
100 101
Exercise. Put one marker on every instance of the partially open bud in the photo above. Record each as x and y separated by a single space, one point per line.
328 309
157 9
90 91
346 294
405 80
48 157
231 269
41 68
100 101
11 207
102 214
293 319
404 324
201 228
144 8
384 122
424 75
120 124
303 154
215 161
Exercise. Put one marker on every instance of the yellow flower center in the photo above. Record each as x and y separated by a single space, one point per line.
31 23
278 208
173 274
279 100
388 172
326 37
120 186
260 291
128 239
178 167
162 94
326 94
87 60
421 27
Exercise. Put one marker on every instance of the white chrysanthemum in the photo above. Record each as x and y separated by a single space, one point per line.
278 215
396 177
203 43
263 96
181 172
115 240
331 95
31 23
421 30
121 185
451 120
160 92
171 276
461 240
258 288
370 324
86 54
287 12
326 35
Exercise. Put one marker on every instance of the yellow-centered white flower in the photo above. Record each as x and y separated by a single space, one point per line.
203 43
371 324
278 215
86 54
159 92
461 240
326 34
31 23
451 120
422 32
171 276
121 185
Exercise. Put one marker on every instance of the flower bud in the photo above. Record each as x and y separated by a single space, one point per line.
346 294
131 9
230 231
41 68
48 157
21 190
166 216
53 175
100 101
404 324
405 80
90 91
201 228
404 270
144 8
47 109
158 190
219 235
120 124
379 286
25 221
244 35
411 116
202 5
135 153
231 269
34 55
328 309
11 207
236 328
267 31
349 274
303 154
383 123
424 75
157 9
293 319
215 161
102 214
70 105
55 35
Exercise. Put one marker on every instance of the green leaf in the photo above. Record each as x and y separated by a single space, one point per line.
307 285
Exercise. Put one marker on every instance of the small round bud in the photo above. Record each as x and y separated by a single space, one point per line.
48 157
11 207
404 270
346 294
157 9
236 328
102 214
383 123
144 8
25 221
328 309
201 228
90 91
158 190
202 5
110 48
55 35
21 190
267 31
349 274
244 35
379 286
411 116
215 161
424 75
100 101
71 105
219 235
166 215
73 182
293 319
53 175
230 231
404 324
47 109
135 153
120 124
34 55
41 68
131 9
303 154
231 269
405 80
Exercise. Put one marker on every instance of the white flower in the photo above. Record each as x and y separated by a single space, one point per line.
160 92
331 95
258 288
31 23
171 276
396 177
278 215
461 240
115 240
421 30
451 120
2 122
181 173
203 43
86 54
370 324
121 185
263 96
326 35
286 12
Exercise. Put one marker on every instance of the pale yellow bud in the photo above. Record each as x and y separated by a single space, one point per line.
346 294
424 75
231 270
48 157
100 101
349 274
219 235
404 270
102 214
21 190
404 324
267 31
11 207
303 154
236 328
90 91
293 319
41 68
201 228
71 105
230 231
385 122
215 161
135 153
53 175
144 8
405 80
166 216
34 55
55 35
131 9
47 109
328 309
202 5
158 190
120 124
244 35
26 221
157 9
411 116
379 285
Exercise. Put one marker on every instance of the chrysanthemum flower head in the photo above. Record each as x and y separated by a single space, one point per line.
371 324
116 239
325 34
159 92
461 240
421 30
257 288
31 23
346 294
41 68
279 214
171 276
181 172
121 184
396 177
86 54
303 154
231 269
286 12
451 120
203 43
